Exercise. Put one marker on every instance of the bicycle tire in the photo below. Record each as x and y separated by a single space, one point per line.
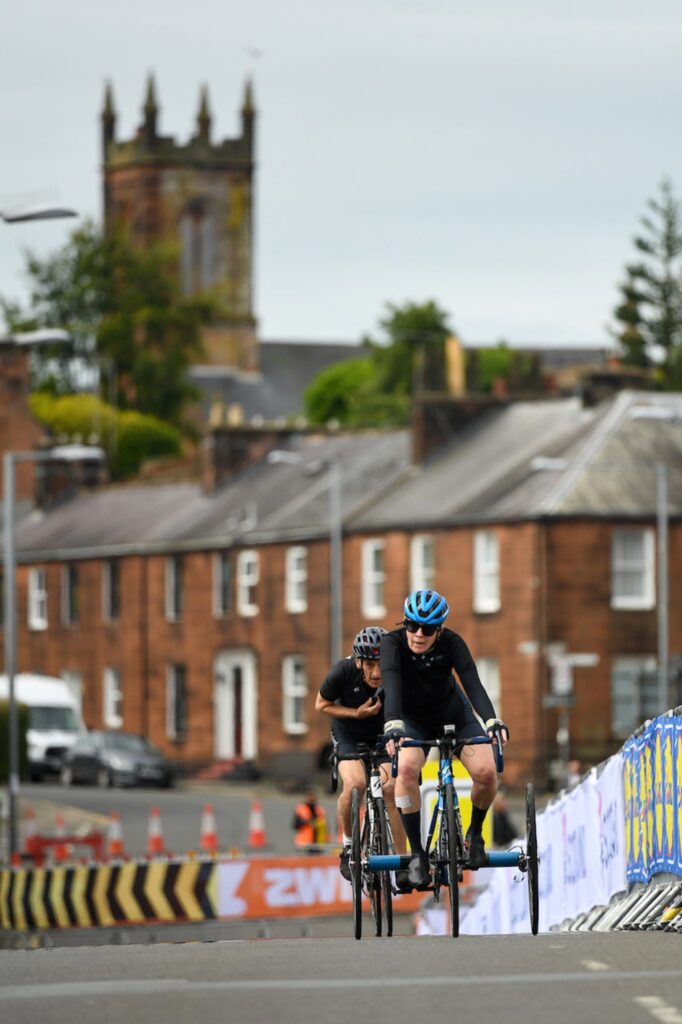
373 878
453 848
385 876
355 864
532 859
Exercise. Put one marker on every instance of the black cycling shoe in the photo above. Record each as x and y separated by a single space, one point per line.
475 848
344 865
402 880
418 872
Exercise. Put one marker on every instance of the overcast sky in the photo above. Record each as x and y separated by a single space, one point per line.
493 156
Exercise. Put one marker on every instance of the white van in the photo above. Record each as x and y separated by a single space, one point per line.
54 720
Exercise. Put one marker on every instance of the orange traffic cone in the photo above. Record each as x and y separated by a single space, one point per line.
208 840
60 850
115 847
30 832
155 843
257 839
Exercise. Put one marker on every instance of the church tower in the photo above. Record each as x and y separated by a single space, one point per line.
200 196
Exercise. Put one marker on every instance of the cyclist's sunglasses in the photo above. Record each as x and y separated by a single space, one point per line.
428 629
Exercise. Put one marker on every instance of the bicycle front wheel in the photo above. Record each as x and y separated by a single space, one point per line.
355 864
385 876
532 858
453 846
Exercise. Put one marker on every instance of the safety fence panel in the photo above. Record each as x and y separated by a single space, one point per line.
653 800
176 891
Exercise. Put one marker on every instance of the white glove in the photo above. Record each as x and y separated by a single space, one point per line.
496 724
394 730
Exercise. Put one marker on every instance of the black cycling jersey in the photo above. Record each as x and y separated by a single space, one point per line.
345 685
422 685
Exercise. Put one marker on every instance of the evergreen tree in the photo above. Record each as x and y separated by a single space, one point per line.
629 333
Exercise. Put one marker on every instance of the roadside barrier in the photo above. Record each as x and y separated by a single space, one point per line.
155 841
208 838
257 837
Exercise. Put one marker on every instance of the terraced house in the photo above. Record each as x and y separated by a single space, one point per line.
202 614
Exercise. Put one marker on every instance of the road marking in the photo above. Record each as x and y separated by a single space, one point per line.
594 965
660 1010
150 986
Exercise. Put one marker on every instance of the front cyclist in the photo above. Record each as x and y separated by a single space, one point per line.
352 697
421 697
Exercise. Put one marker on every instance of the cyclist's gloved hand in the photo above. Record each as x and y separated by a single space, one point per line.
497 725
394 730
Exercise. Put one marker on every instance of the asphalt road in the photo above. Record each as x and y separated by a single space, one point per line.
560 977
180 811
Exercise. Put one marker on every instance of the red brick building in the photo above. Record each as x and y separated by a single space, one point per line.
202 617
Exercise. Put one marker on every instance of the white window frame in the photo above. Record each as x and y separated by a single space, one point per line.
489 674
645 566
221 608
112 698
37 598
486 572
294 688
248 575
74 681
422 562
296 579
373 580
174 598
107 604
175 730
632 666
69 614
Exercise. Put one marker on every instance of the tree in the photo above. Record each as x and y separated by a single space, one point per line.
375 390
630 332
123 308
656 284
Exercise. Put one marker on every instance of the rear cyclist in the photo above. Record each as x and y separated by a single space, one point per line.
351 695
421 697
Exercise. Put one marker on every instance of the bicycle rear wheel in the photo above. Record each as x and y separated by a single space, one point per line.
532 859
385 876
355 864
453 847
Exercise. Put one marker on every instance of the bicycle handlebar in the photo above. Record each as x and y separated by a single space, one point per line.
450 740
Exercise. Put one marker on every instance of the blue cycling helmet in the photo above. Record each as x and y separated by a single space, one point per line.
426 606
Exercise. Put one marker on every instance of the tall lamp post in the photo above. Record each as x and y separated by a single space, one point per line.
69 453
313 467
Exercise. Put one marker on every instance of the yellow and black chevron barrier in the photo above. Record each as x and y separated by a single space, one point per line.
107 894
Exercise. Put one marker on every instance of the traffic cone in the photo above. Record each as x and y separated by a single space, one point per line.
115 847
208 839
60 850
257 839
30 832
155 843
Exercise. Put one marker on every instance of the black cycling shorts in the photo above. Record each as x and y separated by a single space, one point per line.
456 712
346 741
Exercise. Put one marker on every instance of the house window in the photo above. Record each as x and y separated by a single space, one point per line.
422 563
74 681
489 672
222 584
486 572
112 702
634 693
70 606
111 590
294 693
247 581
373 579
37 599
632 569
296 585
174 588
176 702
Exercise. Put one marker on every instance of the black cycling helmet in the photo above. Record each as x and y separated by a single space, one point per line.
367 643
427 607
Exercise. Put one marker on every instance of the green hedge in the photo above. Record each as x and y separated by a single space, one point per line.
22 718
128 437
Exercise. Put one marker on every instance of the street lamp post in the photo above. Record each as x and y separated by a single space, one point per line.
70 453
315 466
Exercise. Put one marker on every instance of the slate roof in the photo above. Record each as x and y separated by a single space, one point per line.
602 463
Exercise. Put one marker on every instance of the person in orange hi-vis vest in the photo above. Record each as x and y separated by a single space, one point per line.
309 823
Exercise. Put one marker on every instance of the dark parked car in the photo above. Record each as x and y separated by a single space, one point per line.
109 758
